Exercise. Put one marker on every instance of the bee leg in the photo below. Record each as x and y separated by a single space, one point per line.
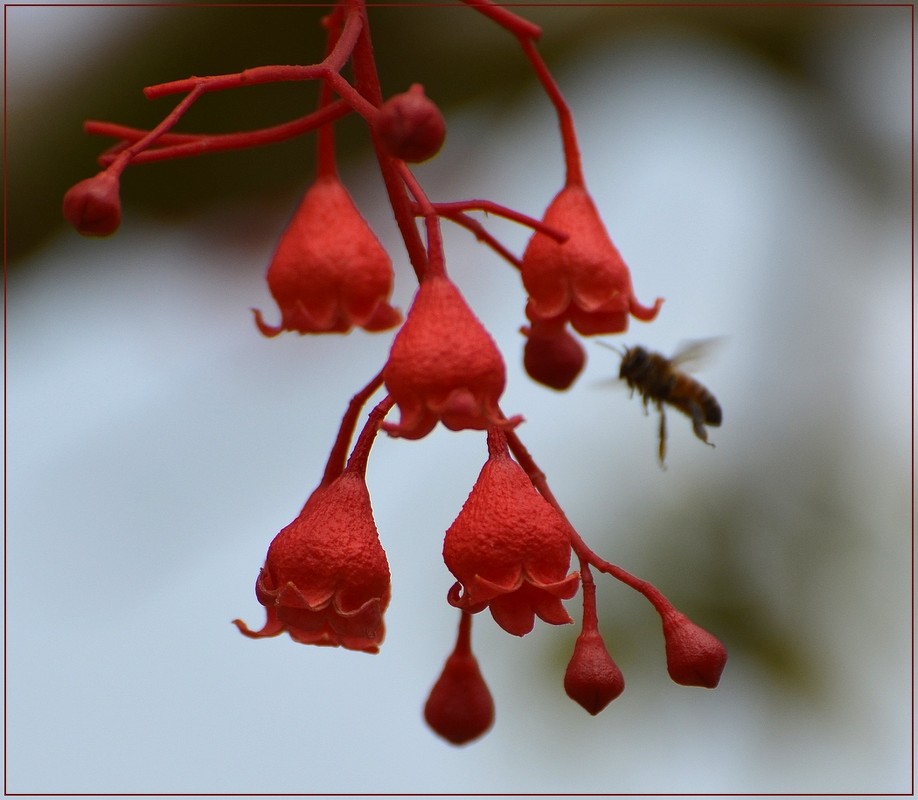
662 448
698 423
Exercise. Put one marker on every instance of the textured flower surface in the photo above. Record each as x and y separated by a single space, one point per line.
443 366
326 579
509 548
584 279
329 271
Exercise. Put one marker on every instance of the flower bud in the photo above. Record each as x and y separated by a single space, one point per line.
93 206
592 678
329 271
694 657
551 355
411 126
459 707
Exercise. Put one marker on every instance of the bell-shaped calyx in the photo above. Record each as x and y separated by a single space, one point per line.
326 578
329 272
509 549
582 280
443 366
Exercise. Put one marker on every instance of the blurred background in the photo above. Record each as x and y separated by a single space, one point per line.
752 165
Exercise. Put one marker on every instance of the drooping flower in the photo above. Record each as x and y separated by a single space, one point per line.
551 355
509 549
326 578
329 271
411 126
93 206
459 707
584 279
443 365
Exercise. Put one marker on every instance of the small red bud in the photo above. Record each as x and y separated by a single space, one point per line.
411 126
551 355
93 205
592 678
460 707
694 657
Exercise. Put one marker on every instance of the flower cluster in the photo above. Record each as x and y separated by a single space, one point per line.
510 548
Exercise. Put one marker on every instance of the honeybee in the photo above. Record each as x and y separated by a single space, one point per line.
660 381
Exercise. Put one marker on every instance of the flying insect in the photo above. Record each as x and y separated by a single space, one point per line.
659 380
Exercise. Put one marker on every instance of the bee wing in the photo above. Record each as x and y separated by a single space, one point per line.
697 352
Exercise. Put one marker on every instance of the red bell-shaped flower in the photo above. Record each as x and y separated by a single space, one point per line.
443 365
509 548
329 271
326 578
584 279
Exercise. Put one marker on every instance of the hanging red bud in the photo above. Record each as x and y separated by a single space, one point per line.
460 707
411 126
329 271
551 355
694 657
592 678
583 279
93 206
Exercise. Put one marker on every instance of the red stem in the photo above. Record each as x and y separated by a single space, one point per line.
518 26
526 32
361 452
336 459
182 145
482 235
464 638
590 618
525 460
490 207
366 79
333 62
572 165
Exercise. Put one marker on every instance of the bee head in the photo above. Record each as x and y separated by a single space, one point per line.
634 359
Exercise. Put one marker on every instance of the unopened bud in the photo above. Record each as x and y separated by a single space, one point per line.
93 206
411 126
552 356
694 657
460 707
592 678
